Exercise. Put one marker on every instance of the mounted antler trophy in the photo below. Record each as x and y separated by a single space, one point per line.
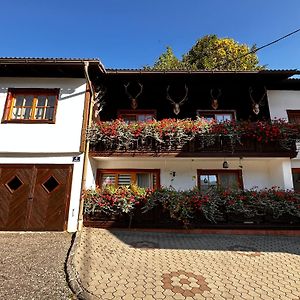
215 98
98 100
133 100
176 106
256 105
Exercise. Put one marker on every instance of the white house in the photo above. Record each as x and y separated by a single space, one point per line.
220 95
46 106
43 106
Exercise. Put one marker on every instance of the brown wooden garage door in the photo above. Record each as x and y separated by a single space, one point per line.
34 197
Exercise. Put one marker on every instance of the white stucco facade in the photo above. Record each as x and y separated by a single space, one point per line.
256 172
48 143
279 102
61 137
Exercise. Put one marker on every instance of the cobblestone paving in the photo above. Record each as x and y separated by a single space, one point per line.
140 265
32 265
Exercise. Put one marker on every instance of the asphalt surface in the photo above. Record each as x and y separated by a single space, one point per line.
32 265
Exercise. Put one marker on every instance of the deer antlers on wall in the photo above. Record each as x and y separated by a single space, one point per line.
256 105
133 100
176 106
215 98
98 100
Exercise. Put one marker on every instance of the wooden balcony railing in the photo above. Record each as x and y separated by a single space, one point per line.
215 146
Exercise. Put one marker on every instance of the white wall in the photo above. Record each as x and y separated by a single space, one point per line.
76 179
280 101
256 172
48 143
281 173
63 136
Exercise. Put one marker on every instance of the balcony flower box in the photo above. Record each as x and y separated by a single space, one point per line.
193 135
136 207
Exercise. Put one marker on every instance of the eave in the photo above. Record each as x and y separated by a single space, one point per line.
49 67
266 74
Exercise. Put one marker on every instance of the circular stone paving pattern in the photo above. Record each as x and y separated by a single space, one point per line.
187 284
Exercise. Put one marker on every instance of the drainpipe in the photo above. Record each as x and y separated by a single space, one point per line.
87 144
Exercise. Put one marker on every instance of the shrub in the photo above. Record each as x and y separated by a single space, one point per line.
192 205
112 200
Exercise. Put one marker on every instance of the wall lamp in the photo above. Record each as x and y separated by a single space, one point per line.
225 164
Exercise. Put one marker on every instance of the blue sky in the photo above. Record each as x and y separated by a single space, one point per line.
133 33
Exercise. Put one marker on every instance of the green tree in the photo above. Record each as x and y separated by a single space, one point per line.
211 53
168 61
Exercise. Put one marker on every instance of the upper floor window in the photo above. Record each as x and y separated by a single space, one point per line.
218 115
293 116
31 105
130 116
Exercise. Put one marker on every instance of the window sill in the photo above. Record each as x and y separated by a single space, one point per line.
28 122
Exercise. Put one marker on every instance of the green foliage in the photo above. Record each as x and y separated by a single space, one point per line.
168 61
168 134
192 206
211 53
186 206
112 200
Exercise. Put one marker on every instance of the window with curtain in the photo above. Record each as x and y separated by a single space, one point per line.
140 177
31 105
224 179
294 116
217 115
130 116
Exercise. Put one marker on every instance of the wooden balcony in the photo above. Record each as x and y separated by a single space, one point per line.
216 146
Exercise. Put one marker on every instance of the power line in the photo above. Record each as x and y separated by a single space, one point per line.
262 47
271 43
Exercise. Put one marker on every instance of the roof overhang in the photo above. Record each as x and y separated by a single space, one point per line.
48 67
259 74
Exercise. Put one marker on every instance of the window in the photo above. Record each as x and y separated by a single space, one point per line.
130 116
141 177
208 179
296 179
294 116
220 116
31 105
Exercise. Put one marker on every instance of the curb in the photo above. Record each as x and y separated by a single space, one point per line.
245 231
72 276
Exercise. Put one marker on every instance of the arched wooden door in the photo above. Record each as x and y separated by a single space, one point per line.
34 197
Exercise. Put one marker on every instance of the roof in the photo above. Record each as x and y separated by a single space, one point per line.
48 67
263 75
45 59
74 67
145 71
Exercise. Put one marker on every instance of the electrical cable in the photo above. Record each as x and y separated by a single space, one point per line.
262 47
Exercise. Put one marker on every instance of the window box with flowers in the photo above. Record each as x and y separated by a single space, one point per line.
192 208
113 204
177 135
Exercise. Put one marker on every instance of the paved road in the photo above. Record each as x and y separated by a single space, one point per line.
138 265
32 266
